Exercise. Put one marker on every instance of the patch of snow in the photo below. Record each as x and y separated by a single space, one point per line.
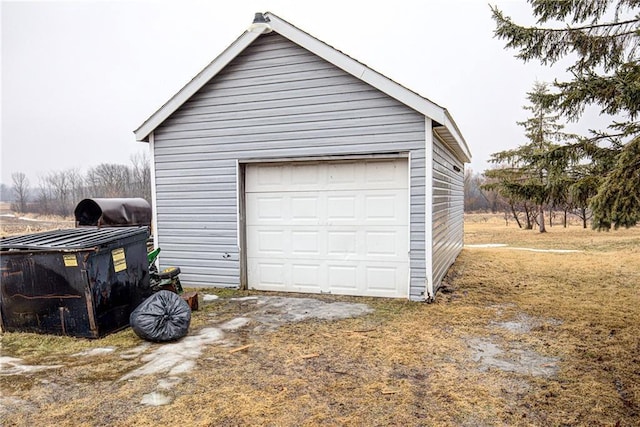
244 299
487 245
235 324
209 297
135 352
270 313
14 366
155 399
183 368
276 311
504 245
557 251
168 357
24 218
169 383
95 352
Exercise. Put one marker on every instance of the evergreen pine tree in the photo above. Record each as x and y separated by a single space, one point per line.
532 174
604 37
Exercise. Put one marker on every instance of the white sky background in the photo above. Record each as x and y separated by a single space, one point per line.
79 77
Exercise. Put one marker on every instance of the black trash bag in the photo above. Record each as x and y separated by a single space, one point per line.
164 316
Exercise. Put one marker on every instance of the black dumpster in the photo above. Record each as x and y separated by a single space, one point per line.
82 282
113 212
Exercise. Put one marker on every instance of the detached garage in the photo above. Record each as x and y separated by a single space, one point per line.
286 165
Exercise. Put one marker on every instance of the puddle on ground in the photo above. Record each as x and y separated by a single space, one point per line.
522 361
523 323
516 358
10 405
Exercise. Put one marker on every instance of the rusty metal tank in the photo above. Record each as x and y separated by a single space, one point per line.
113 212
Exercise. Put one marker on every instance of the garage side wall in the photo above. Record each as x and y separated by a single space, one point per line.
274 101
448 210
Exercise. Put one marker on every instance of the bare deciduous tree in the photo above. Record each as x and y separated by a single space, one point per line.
20 191
59 191
477 198
108 180
60 186
141 175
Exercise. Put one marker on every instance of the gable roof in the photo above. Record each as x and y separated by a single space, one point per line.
444 126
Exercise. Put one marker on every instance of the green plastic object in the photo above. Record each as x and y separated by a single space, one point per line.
151 256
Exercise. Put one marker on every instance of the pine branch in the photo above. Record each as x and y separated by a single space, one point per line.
580 9
596 44
589 27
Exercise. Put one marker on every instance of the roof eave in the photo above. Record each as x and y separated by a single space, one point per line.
462 147
449 135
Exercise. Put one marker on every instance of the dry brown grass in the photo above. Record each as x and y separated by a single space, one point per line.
405 364
12 223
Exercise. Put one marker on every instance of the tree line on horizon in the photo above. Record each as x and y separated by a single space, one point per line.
480 196
58 192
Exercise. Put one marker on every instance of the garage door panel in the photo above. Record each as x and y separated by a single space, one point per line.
343 279
385 207
381 279
271 242
330 176
270 176
340 208
304 176
366 208
269 208
304 207
305 243
382 244
341 175
388 172
339 227
341 243
271 274
306 276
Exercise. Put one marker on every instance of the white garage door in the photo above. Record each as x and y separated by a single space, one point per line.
331 227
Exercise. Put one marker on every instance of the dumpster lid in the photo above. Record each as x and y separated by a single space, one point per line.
73 238
113 212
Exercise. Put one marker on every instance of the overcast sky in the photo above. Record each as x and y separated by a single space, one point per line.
79 77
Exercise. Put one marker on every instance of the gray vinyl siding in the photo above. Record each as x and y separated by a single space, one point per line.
276 100
448 210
